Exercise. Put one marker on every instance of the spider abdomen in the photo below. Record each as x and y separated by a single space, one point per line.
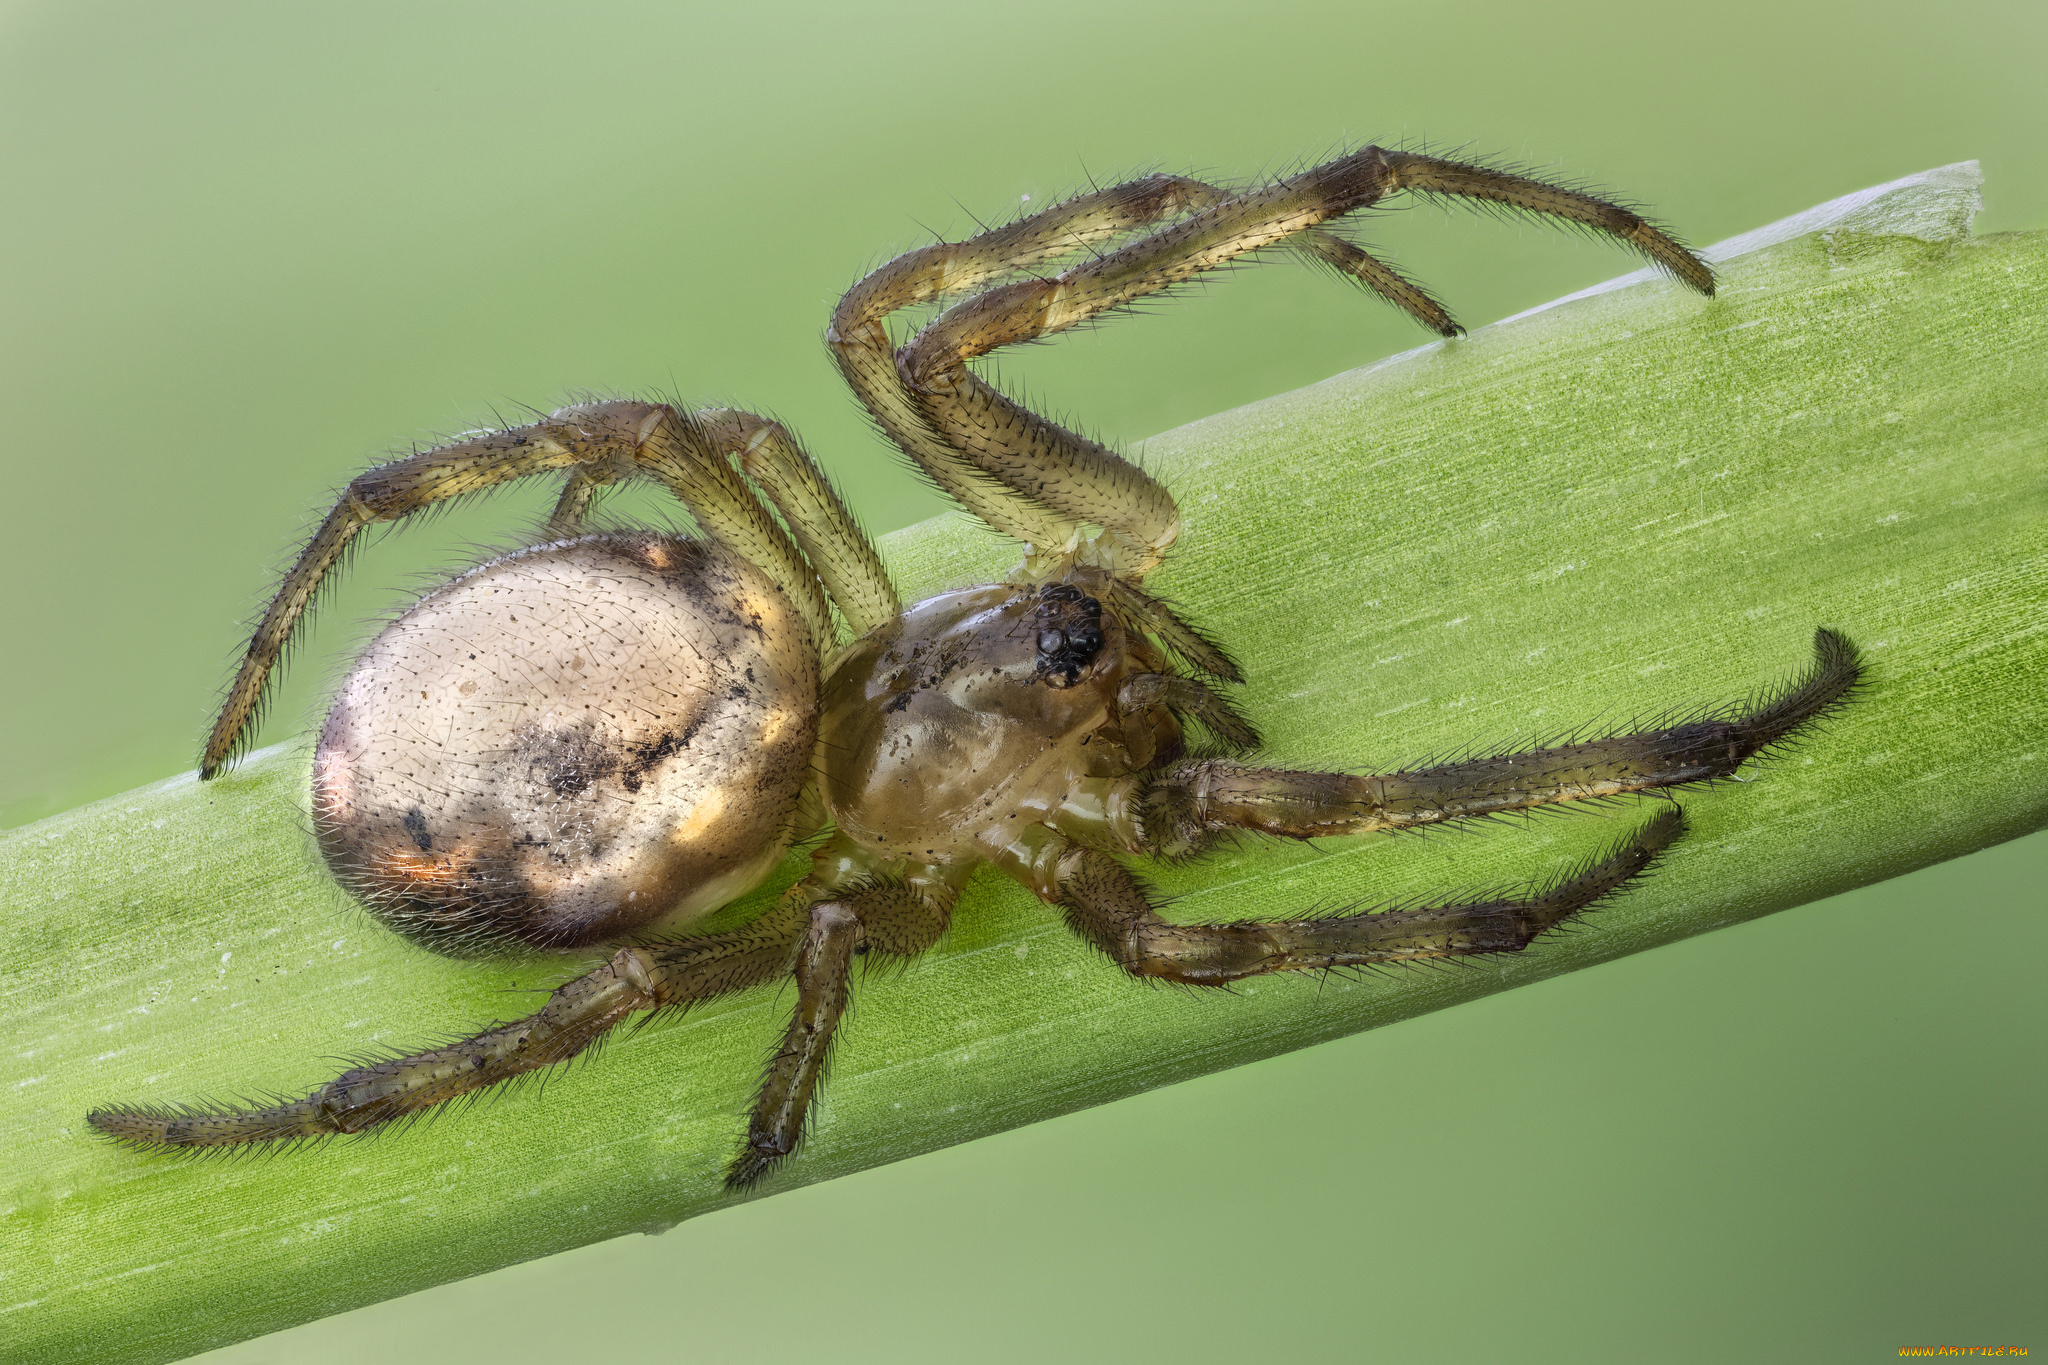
570 743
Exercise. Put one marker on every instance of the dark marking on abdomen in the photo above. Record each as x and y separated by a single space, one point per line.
653 754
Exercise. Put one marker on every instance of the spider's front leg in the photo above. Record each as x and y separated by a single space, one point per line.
1105 905
1184 809
1040 482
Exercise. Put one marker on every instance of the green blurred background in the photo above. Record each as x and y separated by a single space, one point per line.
254 247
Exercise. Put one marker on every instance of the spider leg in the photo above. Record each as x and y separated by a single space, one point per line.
824 959
597 442
1083 481
1044 512
1183 809
573 506
386 493
1050 466
578 1013
826 532
1433 175
866 358
1327 249
1105 905
887 917
680 452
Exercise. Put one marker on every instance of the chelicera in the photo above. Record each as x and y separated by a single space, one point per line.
602 738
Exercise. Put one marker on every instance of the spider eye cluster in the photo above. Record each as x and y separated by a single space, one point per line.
1069 629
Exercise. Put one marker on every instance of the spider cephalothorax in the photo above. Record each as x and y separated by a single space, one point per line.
604 736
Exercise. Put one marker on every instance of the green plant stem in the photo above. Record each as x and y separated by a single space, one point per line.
1634 502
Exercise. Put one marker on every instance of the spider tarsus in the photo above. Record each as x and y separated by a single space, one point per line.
161 1128
1629 858
746 1169
1831 680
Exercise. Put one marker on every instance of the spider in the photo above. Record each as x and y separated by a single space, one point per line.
600 739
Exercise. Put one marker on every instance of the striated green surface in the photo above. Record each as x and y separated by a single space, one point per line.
1634 501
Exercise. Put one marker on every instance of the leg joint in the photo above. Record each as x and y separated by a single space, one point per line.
636 967
593 433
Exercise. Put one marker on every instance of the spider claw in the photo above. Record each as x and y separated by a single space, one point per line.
746 1169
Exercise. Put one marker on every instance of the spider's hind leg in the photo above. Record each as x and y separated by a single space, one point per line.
825 530
579 1013
593 443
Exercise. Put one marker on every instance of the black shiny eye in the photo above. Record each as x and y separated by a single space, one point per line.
1051 642
1092 607
1085 639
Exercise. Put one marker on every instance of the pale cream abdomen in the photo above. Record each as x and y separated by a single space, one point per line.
570 743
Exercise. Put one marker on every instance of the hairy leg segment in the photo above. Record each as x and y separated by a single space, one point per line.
882 917
595 444
578 1014
1104 904
1183 809
812 935
1041 483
